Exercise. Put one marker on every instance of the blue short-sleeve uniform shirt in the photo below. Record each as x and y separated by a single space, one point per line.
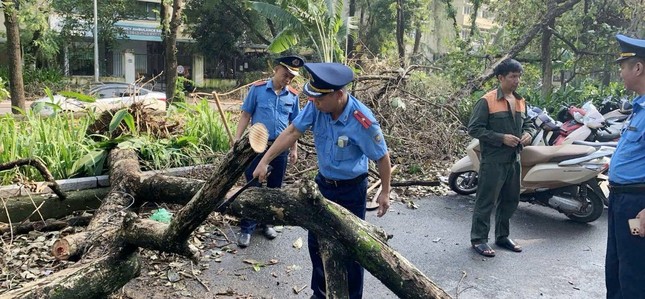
273 110
344 145
627 164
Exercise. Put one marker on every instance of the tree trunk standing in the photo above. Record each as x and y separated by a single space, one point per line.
16 85
400 32
521 44
547 65
417 39
350 38
170 23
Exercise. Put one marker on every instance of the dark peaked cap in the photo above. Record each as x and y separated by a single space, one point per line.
630 47
326 78
291 63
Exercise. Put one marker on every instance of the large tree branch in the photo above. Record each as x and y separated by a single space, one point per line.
42 168
521 44
573 47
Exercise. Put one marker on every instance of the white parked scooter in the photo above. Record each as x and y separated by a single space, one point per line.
563 177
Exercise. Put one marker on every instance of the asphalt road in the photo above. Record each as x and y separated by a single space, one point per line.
561 258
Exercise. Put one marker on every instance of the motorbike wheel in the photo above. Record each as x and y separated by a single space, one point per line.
593 211
464 183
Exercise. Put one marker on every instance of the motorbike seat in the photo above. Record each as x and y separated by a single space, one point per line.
532 155
604 136
616 119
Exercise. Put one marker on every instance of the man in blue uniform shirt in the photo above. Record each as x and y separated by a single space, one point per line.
274 104
346 135
625 259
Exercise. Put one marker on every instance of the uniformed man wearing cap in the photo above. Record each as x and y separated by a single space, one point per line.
275 104
346 135
625 258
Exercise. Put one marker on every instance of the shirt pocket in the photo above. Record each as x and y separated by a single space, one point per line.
633 136
287 106
349 152
501 122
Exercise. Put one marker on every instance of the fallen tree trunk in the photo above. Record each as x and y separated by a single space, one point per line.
361 240
119 232
97 279
156 188
43 226
125 178
173 237
24 207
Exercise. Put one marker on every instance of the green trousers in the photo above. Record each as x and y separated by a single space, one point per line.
498 187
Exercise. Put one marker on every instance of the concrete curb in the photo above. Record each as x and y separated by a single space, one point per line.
89 182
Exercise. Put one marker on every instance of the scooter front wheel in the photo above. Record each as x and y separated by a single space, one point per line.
464 183
593 210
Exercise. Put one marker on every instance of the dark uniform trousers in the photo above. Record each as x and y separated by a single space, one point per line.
625 259
499 185
274 180
353 198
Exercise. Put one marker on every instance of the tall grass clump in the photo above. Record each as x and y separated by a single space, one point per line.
204 124
58 141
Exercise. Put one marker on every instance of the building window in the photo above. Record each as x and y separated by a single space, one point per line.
150 10
467 8
465 33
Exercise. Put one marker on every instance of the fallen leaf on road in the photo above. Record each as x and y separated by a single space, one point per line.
297 244
297 290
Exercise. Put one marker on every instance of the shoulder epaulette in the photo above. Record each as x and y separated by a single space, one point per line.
293 90
365 122
260 83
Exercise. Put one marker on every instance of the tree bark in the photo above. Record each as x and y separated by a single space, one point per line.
350 38
400 32
521 44
97 279
170 23
43 226
25 207
334 260
547 65
16 85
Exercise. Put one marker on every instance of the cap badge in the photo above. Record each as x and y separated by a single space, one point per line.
295 62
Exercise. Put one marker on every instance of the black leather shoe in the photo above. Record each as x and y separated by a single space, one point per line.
269 232
244 240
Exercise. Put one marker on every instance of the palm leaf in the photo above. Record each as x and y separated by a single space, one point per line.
283 41
279 16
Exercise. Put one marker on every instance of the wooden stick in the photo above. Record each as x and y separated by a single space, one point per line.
221 113
378 182
42 168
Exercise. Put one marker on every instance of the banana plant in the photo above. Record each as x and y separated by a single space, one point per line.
321 21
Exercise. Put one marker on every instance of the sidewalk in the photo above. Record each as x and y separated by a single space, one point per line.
5 106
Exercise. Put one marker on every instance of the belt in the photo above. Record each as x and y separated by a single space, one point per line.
627 188
338 183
